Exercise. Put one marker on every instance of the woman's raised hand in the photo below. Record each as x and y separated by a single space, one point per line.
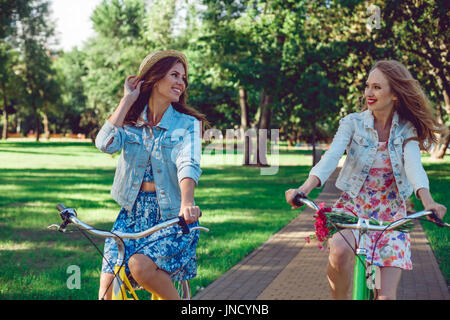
132 88
131 91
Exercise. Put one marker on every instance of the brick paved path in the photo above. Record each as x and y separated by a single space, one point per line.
288 268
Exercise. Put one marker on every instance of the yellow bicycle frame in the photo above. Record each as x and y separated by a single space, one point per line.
121 284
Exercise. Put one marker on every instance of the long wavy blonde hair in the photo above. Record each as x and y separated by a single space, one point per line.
413 104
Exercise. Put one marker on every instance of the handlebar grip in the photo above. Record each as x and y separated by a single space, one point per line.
297 202
436 219
184 227
65 214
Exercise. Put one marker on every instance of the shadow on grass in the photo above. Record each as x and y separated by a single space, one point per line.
253 205
44 152
44 144
48 148
240 191
54 185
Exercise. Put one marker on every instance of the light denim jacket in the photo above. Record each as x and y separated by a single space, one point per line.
174 150
357 136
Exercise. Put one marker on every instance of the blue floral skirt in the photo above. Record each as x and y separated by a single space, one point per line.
175 254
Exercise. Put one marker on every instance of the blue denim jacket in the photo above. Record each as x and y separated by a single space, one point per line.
357 136
174 150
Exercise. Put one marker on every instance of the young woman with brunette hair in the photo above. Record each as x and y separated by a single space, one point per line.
159 137
382 169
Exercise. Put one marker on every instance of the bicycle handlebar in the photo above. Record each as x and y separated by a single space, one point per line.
69 215
301 199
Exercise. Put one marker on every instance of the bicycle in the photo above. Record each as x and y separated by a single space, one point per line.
365 281
122 283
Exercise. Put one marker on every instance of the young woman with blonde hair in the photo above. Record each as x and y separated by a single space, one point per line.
382 169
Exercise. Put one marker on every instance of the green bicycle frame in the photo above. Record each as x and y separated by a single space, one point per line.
360 290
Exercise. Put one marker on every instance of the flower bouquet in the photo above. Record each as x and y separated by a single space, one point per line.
326 220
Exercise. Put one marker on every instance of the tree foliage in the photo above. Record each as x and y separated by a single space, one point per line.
297 66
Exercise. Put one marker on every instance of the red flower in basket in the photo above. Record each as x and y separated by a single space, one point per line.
323 230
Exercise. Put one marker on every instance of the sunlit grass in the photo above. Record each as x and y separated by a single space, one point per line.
241 207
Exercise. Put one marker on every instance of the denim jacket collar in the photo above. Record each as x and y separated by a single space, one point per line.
142 119
165 120
369 119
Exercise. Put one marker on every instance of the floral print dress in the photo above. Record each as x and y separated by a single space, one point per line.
379 199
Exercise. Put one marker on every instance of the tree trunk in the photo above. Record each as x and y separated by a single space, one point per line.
314 152
263 125
37 123
244 124
18 124
439 150
264 117
5 114
45 123
5 124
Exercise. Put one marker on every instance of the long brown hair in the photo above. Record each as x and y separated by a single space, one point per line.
153 75
412 104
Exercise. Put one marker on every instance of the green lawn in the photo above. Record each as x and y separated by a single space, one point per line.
241 207
439 238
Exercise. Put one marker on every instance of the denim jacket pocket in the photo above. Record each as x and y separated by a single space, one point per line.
397 145
398 142
357 145
360 140
397 148
169 147
170 141
132 137
131 147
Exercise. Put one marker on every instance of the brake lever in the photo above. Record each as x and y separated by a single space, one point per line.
61 228
65 214
56 228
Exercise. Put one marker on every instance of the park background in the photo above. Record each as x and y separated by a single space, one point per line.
296 66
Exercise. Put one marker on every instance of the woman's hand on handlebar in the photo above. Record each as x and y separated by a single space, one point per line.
429 204
290 195
190 213
304 189
439 209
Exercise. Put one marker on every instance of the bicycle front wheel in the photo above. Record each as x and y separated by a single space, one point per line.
184 289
